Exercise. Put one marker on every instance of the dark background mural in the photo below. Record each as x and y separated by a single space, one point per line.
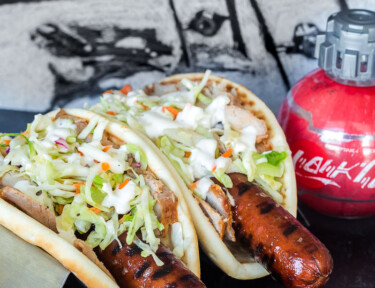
57 53
60 53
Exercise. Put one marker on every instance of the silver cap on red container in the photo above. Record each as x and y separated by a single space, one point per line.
347 50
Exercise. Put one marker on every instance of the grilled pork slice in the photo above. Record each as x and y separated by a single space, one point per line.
166 201
31 207
239 118
215 218
220 202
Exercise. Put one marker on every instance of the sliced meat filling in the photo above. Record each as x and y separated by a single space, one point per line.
239 118
166 207
217 199
30 206
215 218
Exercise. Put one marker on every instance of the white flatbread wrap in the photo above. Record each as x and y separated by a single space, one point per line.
60 245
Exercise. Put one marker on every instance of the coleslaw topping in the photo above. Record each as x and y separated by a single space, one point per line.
195 126
92 188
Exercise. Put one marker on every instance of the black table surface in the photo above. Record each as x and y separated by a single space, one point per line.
350 241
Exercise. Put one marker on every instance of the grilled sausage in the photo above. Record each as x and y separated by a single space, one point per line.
130 269
276 239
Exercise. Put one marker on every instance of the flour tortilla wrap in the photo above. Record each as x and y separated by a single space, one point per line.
209 239
37 234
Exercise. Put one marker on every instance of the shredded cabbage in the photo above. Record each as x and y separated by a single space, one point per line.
139 154
64 168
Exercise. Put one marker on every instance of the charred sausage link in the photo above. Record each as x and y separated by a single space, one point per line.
130 269
276 239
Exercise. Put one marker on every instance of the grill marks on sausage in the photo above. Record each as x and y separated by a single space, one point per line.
162 272
265 207
310 248
116 250
141 270
243 187
130 269
133 250
289 230
272 227
163 254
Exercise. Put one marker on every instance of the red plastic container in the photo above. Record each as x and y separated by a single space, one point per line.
330 128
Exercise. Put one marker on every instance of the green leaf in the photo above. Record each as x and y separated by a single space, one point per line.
275 158
97 194
98 181
223 178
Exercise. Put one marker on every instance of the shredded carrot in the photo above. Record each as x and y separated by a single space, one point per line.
7 141
78 185
80 153
106 148
227 153
123 184
171 110
213 169
96 161
143 105
187 154
105 166
60 209
126 89
193 185
111 113
94 209
108 91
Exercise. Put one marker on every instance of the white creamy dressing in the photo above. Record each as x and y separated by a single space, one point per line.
202 159
116 165
18 154
246 142
179 96
216 110
61 128
120 198
155 122
203 186
223 163
191 116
